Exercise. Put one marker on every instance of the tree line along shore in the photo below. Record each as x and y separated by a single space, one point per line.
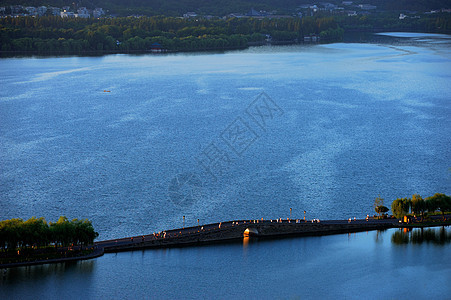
34 233
414 206
36 239
76 35
50 34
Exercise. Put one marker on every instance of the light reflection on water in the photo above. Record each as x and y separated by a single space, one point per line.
421 235
327 267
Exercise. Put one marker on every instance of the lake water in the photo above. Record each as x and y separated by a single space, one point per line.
367 265
135 142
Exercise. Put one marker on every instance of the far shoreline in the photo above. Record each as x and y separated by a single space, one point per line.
97 53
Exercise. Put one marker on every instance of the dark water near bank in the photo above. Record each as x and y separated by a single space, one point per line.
187 134
369 265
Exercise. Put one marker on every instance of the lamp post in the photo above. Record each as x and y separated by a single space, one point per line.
183 222
304 215
197 222
290 212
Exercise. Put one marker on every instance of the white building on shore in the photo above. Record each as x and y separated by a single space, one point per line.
67 14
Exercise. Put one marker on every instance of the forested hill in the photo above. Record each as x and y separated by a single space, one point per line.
49 34
220 7
77 35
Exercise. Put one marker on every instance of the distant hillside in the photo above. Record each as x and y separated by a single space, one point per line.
219 7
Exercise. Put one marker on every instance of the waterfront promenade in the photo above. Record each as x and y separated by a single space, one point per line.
236 230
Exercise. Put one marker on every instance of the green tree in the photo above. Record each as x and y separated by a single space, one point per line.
397 208
400 207
407 204
84 232
15 233
439 202
35 232
378 204
418 205
381 210
63 232
10 233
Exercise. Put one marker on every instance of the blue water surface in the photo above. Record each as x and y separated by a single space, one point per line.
135 142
